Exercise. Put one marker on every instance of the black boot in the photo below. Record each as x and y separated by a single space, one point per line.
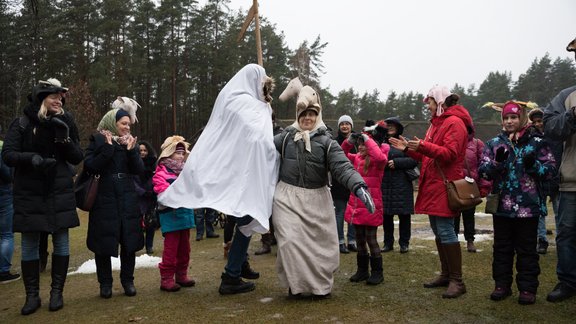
59 271
362 272
248 272
104 273
230 285
31 278
376 276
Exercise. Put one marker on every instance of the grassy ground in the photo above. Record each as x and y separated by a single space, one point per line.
400 299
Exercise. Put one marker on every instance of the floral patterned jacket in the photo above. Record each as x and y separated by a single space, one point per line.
516 184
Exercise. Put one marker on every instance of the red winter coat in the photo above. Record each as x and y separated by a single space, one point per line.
356 212
446 141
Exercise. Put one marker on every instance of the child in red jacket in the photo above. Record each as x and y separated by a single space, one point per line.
370 162
174 223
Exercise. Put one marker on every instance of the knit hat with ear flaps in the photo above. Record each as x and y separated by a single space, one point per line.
308 99
45 88
439 94
173 144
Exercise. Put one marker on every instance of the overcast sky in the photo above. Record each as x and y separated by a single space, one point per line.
413 44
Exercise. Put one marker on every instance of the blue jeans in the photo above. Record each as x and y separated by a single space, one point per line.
542 221
31 243
566 239
6 234
340 209
443 228
238 250
204 216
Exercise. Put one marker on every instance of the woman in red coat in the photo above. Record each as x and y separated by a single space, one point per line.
370 163
443 147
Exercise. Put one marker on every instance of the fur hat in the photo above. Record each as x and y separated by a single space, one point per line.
535 113
45 88
345 119
173 144
308 99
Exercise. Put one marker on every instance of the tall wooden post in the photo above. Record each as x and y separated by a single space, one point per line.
253 15
258 39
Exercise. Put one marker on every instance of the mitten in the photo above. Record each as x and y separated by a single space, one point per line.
365 138
363 194
529 160
36 161
501 154
353 138
61 130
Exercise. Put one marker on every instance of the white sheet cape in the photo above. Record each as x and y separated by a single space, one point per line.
233 168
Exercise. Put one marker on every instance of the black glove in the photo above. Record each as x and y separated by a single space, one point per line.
501 154
43 164
529 160
363 194
353 138
61 130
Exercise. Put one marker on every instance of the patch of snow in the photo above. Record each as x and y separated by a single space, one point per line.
277 315
142 261
477 237
266 300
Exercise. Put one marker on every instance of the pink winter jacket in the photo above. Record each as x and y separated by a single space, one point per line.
162 178
473 157
356 212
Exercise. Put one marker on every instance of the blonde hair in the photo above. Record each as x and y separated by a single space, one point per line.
43 112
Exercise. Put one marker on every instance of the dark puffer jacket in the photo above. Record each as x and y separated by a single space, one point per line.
308 169
43 199
115 217
397 189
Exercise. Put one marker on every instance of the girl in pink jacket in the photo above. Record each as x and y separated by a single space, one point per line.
370 162
175 223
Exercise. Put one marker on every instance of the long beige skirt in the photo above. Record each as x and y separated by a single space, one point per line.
305 229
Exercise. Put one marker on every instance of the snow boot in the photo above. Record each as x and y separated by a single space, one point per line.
362 271
31 278
376 276
59 272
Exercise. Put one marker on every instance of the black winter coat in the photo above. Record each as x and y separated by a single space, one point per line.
115 217
338 191
44 200
397 190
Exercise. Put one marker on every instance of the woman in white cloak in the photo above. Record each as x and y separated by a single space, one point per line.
233 167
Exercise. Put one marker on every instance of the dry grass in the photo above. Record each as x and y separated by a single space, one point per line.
400 298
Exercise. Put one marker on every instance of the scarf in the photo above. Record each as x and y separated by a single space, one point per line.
174 165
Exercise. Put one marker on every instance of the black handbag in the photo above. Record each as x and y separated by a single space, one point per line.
86 189
412 174
152 219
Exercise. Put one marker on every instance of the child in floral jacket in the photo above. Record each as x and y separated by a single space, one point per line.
174 223
516 160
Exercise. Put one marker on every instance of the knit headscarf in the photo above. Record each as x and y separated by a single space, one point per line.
121 107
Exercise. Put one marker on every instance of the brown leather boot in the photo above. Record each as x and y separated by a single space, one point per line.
442 280
456 287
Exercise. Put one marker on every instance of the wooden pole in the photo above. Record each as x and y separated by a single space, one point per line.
258 39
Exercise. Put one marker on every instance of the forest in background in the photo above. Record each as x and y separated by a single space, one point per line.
174 56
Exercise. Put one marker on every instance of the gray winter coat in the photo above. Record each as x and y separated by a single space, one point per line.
310 169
